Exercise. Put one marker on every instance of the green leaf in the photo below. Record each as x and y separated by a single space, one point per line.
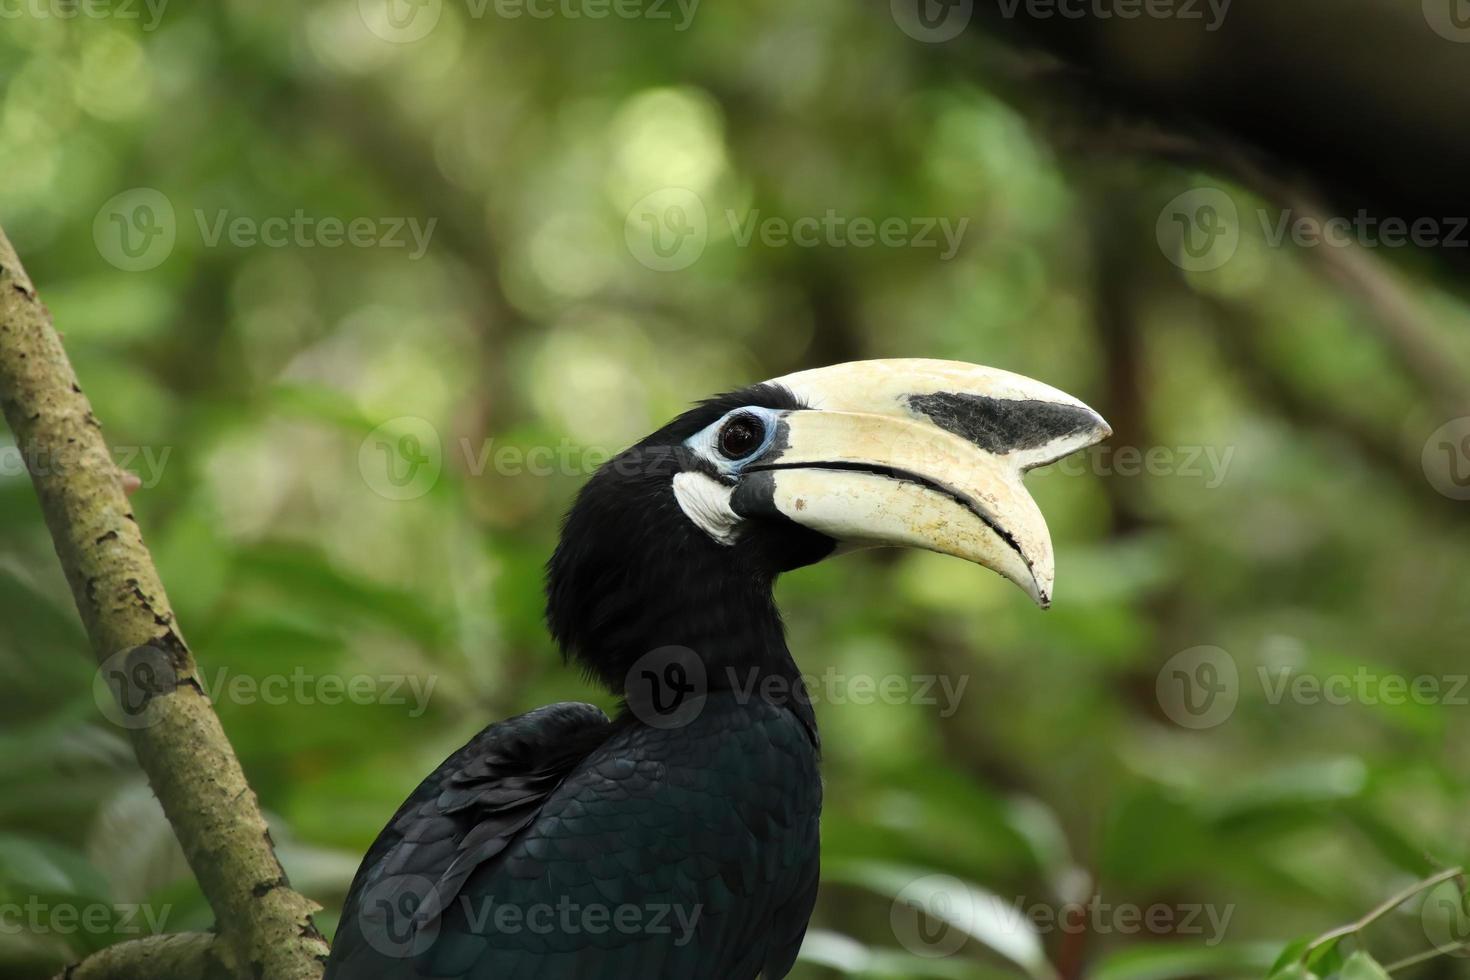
851 958
1290 955
29 865
1166 960
1293 971
1325 959
1361 966
1291 794
305 577
975 912
1153 837
1392 842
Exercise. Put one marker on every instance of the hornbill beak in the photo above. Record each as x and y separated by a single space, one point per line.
924 454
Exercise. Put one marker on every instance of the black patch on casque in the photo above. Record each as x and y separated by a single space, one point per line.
1002 425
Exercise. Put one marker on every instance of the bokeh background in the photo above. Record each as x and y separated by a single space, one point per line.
354 459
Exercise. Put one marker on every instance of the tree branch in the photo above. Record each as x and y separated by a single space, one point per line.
266 926
180 956
1238 73
1236 329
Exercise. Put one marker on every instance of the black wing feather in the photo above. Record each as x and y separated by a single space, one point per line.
707 835
462 814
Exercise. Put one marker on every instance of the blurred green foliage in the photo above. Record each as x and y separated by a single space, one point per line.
253 389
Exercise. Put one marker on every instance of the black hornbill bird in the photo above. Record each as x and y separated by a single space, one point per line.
679 839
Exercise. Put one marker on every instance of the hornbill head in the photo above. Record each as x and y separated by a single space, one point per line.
678 539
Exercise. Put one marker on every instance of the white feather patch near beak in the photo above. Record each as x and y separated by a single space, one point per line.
706 502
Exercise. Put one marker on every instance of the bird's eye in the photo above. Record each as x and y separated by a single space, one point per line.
740 436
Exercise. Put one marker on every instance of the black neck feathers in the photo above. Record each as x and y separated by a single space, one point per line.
633 574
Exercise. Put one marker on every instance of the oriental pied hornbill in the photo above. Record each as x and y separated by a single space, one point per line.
679 839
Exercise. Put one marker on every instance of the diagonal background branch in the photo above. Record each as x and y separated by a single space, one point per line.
266 927
1244 71
1079 121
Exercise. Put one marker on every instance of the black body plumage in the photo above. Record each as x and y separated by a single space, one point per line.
562 844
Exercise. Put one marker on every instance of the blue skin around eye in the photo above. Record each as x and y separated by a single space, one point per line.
704 442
